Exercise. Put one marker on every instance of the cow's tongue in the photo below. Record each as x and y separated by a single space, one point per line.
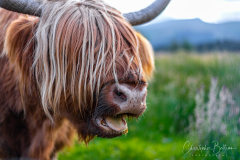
116 123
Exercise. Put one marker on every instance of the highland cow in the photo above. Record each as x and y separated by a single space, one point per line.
69 66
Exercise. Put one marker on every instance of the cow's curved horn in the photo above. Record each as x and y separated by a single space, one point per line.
30 7
146 14
34 8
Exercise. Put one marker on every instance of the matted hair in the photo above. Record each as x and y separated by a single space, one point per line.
79 44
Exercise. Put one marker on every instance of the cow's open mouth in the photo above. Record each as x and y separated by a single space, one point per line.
116 103
112 126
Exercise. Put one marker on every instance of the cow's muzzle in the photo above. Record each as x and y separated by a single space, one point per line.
117 102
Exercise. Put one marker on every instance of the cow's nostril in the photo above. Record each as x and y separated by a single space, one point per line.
120 95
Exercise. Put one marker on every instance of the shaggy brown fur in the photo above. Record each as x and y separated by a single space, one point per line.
25 129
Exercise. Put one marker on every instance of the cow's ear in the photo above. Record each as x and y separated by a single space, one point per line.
19 42
146 54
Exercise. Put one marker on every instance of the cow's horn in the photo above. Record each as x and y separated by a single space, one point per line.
146 14
30 7
34 8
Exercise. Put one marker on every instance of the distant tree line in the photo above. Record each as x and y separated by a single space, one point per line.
175 46
224 45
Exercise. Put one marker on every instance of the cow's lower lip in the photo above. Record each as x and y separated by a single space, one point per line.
112 125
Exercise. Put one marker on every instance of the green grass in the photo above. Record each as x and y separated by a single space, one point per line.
163 129
126 148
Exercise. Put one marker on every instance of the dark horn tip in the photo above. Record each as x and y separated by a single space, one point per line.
147 14
30 7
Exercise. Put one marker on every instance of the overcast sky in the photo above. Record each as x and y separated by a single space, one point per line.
211 11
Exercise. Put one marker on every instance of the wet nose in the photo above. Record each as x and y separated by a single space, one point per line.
130 100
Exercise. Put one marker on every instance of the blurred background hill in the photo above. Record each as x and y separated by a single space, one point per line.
193 33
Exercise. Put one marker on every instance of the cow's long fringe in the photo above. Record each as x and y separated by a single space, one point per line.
78 42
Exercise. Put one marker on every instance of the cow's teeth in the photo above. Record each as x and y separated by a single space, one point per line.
103 123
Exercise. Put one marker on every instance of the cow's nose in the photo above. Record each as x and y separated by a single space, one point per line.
130 100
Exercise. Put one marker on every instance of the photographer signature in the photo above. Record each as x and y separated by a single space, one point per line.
216 149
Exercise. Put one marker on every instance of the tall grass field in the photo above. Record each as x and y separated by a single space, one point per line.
193 113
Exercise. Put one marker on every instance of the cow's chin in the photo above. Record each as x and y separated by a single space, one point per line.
110 126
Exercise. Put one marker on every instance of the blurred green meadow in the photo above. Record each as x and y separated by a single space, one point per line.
172 117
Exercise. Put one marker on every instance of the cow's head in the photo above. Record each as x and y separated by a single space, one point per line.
86 61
